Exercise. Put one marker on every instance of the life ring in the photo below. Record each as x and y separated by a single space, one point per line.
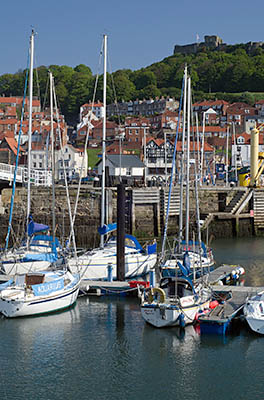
161 295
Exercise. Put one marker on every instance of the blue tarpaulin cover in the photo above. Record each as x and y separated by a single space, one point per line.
48 287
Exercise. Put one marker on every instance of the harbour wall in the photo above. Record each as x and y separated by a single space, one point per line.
145 210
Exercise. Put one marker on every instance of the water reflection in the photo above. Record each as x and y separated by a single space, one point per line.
248 252
102 348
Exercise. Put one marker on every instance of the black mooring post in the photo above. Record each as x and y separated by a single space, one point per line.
120 251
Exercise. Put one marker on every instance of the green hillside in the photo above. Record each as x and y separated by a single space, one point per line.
233 75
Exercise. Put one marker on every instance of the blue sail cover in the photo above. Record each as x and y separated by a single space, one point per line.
34 227
49 287
107 228
187 262
183 269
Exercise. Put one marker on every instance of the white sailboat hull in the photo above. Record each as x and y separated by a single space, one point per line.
94 265
16 266
166 315
254 313
16 301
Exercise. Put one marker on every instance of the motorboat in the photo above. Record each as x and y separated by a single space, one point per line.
254 313
38 293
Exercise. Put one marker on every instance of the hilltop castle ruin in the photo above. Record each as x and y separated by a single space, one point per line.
212 42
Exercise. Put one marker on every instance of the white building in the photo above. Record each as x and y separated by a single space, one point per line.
73 161
128 166
241 149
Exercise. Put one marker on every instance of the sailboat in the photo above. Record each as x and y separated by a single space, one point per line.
178 298
36 252
194 254
94 264
37 293
44 291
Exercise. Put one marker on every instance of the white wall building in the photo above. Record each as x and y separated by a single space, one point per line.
241 149
73 160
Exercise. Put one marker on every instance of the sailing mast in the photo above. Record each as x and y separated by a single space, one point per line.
30 129
188 160
52 158
103 144
182 161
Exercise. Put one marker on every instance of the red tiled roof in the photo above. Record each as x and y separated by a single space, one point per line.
109 124
90 105
8 121
12 144
159 142
6 133
210 103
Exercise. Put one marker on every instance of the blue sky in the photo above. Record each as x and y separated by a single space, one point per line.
140 32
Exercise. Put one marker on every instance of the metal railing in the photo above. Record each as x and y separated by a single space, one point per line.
38 177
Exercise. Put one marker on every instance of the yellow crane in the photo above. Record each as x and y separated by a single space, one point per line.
256 157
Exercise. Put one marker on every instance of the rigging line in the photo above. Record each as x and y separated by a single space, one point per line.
37 79
87 139
118 115
172 170
114 90
46 93
17 158
64 169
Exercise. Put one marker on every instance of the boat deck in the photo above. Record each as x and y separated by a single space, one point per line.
221 273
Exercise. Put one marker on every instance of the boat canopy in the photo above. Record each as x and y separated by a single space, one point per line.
131 241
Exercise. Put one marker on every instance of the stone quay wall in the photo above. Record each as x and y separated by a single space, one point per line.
144 219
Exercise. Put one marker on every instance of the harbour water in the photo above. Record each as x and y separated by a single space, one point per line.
102 349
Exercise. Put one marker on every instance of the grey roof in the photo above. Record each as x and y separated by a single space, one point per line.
127 160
